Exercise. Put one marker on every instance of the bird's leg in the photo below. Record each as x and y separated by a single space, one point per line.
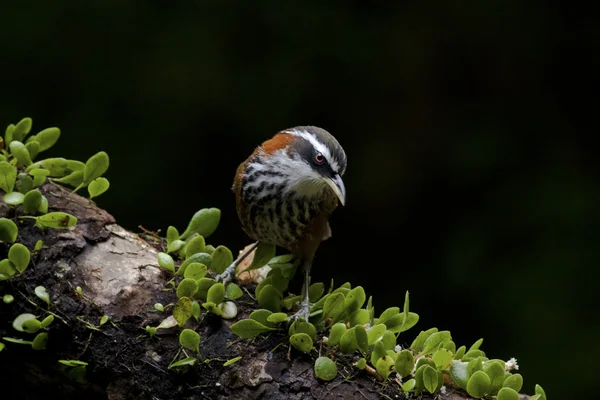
304 311
229 273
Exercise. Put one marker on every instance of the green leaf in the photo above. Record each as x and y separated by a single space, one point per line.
103 320
20 320
476 345
8 230
459 374
335 334
430 379
508 394
355 299
32 201
478 384
514 381
22 128
98 186
301 326
95 167
8 134
190 340
216 293
269 298
384 366
7 269
263 254
172 235
47 321
73 363
232 361
204 285
301 342
40 341
325 369
460 353
8 176
408 385
389 340
14 198
221 259
57 220
74 179
8 298
31 325
20 152
475 365
15 340
248 328
405 363
419 342
2 346
361 338
203 222
39 176
348 343
233 291
187 288
196 271
359 317
262 316
42 294
24 182
397 323
435 341
165 261
195 245
473 354
450 346
334 306
19 256
202 258
46 138
183 310
277 318
378 352
375 333
361 363
442 358
183 362
540 391
495 371
33 147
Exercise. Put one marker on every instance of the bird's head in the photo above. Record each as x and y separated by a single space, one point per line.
307 161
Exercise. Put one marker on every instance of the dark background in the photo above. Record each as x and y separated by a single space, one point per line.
472 178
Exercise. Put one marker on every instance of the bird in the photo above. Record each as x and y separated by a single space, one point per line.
285 192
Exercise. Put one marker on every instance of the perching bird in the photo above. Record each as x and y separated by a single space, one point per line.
285 192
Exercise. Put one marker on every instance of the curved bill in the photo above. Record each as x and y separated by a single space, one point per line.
337 185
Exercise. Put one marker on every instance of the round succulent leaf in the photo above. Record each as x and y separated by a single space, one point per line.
31 325
361 363
269 298
195 245
262 255
315 291
540 391
73 179
409 320
289 302
409 385
98 186
33 147
221 259
282 259
165 261
42 294
184 362
335 334
425 361
20 256
388 340
435 341
8 230
460 353
20 152
212 308
348 343
46 138
233 291
450 346
2 346
47 321
32 201
301 326
8 133
7 269
361 338
249 328
187 288
20 320
202 258
301 342
24 183
355 299
216 293
419 342
514 381
8 298
495 371
190 339
172 234
14 198
375 333
204 222
472 355
405 363
204 285
21 129
262 316
384 366
378 352
442 358
195 271
507 393
57 220
358 317
325 369
183 310
95 167
334 305
478 384
476 345
175 246
430 379
40 341
228 310
475 365
277 318
8 176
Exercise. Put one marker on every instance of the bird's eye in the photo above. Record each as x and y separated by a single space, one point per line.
319 159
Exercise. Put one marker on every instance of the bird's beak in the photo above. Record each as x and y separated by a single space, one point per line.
337 185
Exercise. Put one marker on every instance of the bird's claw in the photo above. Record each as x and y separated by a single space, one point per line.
304 312
226 276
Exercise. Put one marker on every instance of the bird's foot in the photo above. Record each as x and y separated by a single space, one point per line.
227 276
304 311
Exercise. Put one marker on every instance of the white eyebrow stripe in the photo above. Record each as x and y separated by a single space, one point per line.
320 147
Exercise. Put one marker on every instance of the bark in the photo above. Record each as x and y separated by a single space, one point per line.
117 271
